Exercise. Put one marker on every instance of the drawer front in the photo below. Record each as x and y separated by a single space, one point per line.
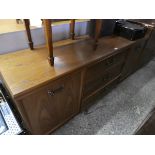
95 71
52 105
91 100
99 82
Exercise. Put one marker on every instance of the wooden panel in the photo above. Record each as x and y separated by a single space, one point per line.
97 70
87 102
132 61
136 52
149 51
99 81
138 55
50 106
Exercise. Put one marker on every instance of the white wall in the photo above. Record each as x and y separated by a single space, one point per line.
14 41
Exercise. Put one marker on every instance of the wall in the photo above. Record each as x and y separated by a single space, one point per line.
14 41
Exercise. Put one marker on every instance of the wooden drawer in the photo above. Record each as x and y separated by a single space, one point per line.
95 71
99 81
50 106
87 102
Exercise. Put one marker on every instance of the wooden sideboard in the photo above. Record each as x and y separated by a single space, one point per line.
48 96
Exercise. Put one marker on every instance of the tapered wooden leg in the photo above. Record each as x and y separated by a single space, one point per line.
98 27
72 29
18 21
48 35
28 32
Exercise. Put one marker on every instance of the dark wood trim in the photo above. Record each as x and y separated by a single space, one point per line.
49 44
28 32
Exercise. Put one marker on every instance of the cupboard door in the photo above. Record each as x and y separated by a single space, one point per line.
149 50
66 93
137 50
132 61
52 105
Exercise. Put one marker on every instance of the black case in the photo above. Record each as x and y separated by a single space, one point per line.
129 29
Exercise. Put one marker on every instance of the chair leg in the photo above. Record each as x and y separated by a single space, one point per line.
28 32
49 44
98 27
72 29
18 21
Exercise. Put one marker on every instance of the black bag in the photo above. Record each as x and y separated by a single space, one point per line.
129 29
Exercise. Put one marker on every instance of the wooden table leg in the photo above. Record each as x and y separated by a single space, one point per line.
48 35
72 29
98 27
28 32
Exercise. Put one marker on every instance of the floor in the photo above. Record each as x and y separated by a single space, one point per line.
121 111
10 25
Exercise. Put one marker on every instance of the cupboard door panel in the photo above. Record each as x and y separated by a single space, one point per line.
149 50
52 105
133 59
66 95
40 113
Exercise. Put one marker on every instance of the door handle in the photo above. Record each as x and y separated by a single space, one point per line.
109 61
57 90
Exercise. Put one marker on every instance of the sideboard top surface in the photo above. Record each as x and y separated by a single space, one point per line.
23 71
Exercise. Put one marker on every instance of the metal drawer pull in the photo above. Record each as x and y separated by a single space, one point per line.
53 92
139 48
110 61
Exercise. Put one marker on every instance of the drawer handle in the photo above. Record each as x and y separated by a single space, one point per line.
110 61
106 78
139 48
53 92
